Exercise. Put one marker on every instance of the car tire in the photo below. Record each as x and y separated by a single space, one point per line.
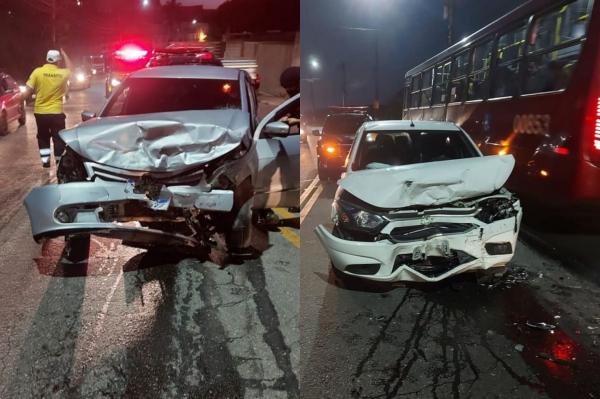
23 117
77 250
3 124
324 173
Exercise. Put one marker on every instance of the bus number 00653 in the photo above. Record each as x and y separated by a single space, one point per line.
532 124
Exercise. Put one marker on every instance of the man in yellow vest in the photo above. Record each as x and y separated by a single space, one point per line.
49 83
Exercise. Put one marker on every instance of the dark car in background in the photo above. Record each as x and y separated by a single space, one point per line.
335 141
12 106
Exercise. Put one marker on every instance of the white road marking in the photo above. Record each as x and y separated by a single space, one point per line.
310 203
306 193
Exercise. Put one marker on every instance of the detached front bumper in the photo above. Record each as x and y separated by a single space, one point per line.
387 261
80 208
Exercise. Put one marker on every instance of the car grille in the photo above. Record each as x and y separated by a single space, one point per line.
187 178
433 266
424 232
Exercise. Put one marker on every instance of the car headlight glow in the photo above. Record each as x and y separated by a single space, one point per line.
353 216
22 88
115 82
80 77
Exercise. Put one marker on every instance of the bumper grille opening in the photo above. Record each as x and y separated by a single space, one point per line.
366 270
433 266
423 232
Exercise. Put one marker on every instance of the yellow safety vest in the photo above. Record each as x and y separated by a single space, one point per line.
49 83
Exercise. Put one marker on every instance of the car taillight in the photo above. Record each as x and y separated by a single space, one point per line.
205 56
329 149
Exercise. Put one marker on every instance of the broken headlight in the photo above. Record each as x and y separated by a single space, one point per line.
353 217
494 209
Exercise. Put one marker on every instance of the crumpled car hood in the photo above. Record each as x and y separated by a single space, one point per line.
429 184
159 142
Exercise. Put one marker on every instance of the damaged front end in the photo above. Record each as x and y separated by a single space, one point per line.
422 242
195 204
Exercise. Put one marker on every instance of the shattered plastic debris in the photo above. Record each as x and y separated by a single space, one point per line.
541 326
519 347
510 278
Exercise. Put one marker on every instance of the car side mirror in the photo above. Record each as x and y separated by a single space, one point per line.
316 132
276 129
87 115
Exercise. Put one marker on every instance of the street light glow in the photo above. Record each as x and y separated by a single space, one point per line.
145 3
194 22
315 64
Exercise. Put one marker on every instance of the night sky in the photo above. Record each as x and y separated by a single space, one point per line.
410 31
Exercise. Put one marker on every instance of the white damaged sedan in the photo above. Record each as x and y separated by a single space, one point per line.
419 202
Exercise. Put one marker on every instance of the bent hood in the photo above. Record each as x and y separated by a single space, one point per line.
159 142
429 184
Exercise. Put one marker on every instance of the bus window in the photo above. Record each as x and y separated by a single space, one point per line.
479 78
508 59
555 47
560 26
415 95
458 85
442 76
551 71
426 90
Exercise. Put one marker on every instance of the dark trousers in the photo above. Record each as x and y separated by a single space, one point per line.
48 126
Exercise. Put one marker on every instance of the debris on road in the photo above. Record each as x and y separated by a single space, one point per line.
519 348
540 325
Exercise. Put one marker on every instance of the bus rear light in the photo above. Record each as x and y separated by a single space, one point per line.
597 127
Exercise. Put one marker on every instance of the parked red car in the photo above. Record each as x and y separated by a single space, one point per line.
12 106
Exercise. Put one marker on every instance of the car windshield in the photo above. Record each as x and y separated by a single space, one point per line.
150 95
394 148
343 124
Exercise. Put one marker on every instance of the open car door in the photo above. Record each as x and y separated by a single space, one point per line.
277 146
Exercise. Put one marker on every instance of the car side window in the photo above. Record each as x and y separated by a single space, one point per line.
289 114
252 105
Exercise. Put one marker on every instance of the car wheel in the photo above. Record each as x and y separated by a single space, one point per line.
23 117
77 250
324 173
3 124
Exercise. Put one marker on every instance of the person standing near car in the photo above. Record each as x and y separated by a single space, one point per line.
49 83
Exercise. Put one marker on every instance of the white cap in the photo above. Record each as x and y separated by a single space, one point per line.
53 56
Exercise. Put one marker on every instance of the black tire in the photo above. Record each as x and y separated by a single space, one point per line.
3 124
324 173
23 117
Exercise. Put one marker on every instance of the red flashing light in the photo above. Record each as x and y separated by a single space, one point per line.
131 53
561 150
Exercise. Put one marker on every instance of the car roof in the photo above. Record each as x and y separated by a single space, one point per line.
188 72
410 125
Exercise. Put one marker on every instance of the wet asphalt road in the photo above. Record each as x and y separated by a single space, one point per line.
458 338
133 323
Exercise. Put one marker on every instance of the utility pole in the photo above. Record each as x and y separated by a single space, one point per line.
449 16
376 102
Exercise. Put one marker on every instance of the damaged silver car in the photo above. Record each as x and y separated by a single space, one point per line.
419 202
175 158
